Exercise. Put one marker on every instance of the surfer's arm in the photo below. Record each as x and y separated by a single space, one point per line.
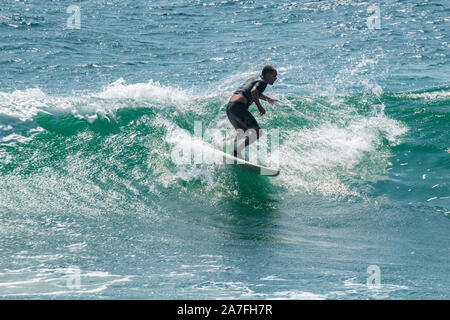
266 98
255 97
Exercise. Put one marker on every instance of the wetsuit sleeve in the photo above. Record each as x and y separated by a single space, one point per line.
260 86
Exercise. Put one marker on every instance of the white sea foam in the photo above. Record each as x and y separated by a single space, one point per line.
296 295
55 282
23 105
316 159
435 95
352 287
150 90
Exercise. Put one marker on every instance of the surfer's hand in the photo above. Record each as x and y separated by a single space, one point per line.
262 111
272 101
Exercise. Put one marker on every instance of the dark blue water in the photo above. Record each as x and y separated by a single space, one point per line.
92 204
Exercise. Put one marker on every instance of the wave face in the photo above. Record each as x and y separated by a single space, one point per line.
331 145
94 205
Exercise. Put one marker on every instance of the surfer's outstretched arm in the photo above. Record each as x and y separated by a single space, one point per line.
266 98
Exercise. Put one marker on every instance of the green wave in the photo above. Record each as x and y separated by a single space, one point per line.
333 146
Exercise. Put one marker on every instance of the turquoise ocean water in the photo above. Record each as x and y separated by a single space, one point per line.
92 204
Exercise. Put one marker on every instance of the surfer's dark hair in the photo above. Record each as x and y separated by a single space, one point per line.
268 69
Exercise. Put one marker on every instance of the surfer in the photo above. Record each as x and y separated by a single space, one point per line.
237 109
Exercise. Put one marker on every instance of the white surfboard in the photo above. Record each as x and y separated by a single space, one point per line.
264 171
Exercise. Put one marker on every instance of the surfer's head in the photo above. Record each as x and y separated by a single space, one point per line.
269 74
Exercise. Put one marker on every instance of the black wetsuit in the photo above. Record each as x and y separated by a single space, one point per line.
237 112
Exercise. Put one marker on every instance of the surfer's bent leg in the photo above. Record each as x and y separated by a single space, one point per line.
251 135
242 119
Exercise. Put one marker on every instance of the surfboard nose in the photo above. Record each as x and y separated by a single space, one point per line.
269 172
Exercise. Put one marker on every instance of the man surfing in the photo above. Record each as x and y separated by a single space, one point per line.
237 109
